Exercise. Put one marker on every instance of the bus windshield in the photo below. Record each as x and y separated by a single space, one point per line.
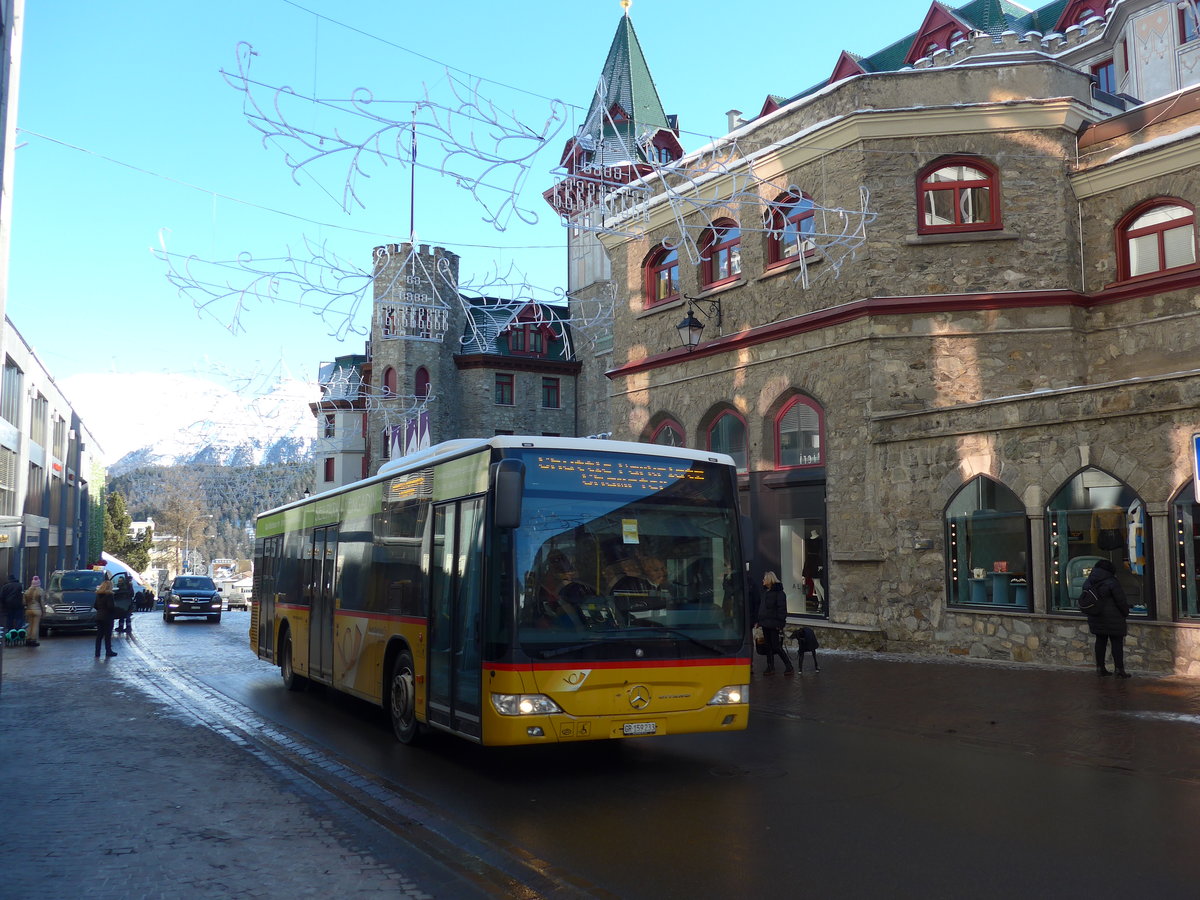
622 556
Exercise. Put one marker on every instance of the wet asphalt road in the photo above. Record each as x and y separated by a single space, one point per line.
880 776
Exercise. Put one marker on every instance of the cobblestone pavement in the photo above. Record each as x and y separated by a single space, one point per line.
116 790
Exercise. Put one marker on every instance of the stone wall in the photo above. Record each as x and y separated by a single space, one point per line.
1000 367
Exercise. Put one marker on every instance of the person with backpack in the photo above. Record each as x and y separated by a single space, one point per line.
1103 600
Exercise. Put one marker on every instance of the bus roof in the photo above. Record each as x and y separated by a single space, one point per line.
466 446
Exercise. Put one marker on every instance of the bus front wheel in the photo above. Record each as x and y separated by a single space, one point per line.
403 705
291 680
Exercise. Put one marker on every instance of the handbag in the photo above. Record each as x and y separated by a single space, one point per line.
760 642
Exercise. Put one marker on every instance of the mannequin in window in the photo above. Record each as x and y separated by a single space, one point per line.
814 549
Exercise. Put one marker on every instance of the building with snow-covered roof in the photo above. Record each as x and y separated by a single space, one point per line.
941 308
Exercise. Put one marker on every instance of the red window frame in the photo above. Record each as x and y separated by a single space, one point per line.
527 339
421 382
505 389
551 393
956 188
1106 76
1127 232
722 254
663 262
330 429
329 468
389 382
743 465
672 427
820 413
792 217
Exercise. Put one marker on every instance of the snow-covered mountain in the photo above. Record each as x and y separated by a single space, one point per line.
155 419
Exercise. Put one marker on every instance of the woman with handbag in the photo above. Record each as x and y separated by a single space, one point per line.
772 616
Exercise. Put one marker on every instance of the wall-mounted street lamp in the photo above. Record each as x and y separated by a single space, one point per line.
691 328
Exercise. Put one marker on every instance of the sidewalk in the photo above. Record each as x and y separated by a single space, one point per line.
114 792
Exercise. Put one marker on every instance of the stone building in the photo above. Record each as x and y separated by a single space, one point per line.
943 309
442 365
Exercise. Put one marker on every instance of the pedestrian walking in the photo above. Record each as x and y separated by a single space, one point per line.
14 605
105 613
772 616
35 605
123 601
1107 621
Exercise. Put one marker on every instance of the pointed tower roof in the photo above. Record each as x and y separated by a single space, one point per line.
625 134
625 111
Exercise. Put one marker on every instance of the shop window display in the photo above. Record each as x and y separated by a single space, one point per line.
802 565
987 538
1093 517
1185 525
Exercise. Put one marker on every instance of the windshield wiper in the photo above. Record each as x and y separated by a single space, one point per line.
679 632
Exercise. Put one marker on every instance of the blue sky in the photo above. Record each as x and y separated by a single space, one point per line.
129 131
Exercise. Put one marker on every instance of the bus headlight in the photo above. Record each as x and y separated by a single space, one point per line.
730 694
524 704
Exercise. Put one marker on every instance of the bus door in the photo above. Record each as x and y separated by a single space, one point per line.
455 648
322 561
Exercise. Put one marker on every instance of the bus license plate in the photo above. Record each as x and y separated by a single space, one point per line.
639 728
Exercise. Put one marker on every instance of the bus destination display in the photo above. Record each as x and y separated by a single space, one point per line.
617 474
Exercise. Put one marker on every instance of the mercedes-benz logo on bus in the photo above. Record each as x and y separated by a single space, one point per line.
639 696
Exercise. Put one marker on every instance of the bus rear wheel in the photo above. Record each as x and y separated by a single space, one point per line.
403 703
291 680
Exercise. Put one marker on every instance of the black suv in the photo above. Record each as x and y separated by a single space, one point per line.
192 595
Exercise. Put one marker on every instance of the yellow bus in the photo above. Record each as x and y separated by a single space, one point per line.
517 590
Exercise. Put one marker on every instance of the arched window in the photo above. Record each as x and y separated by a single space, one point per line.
669 434
1156 238
790 226
987 543
1093 517
728 435
662 277
389 382
798 435
1185 550
722 254
421 382
958 194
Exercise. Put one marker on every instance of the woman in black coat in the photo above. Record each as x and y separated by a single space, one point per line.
772 616
1108 623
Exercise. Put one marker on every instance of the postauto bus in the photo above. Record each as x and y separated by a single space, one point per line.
517 590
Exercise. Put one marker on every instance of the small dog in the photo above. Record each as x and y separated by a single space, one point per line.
806 642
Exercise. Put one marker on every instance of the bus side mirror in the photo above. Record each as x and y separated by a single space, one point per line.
508 482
